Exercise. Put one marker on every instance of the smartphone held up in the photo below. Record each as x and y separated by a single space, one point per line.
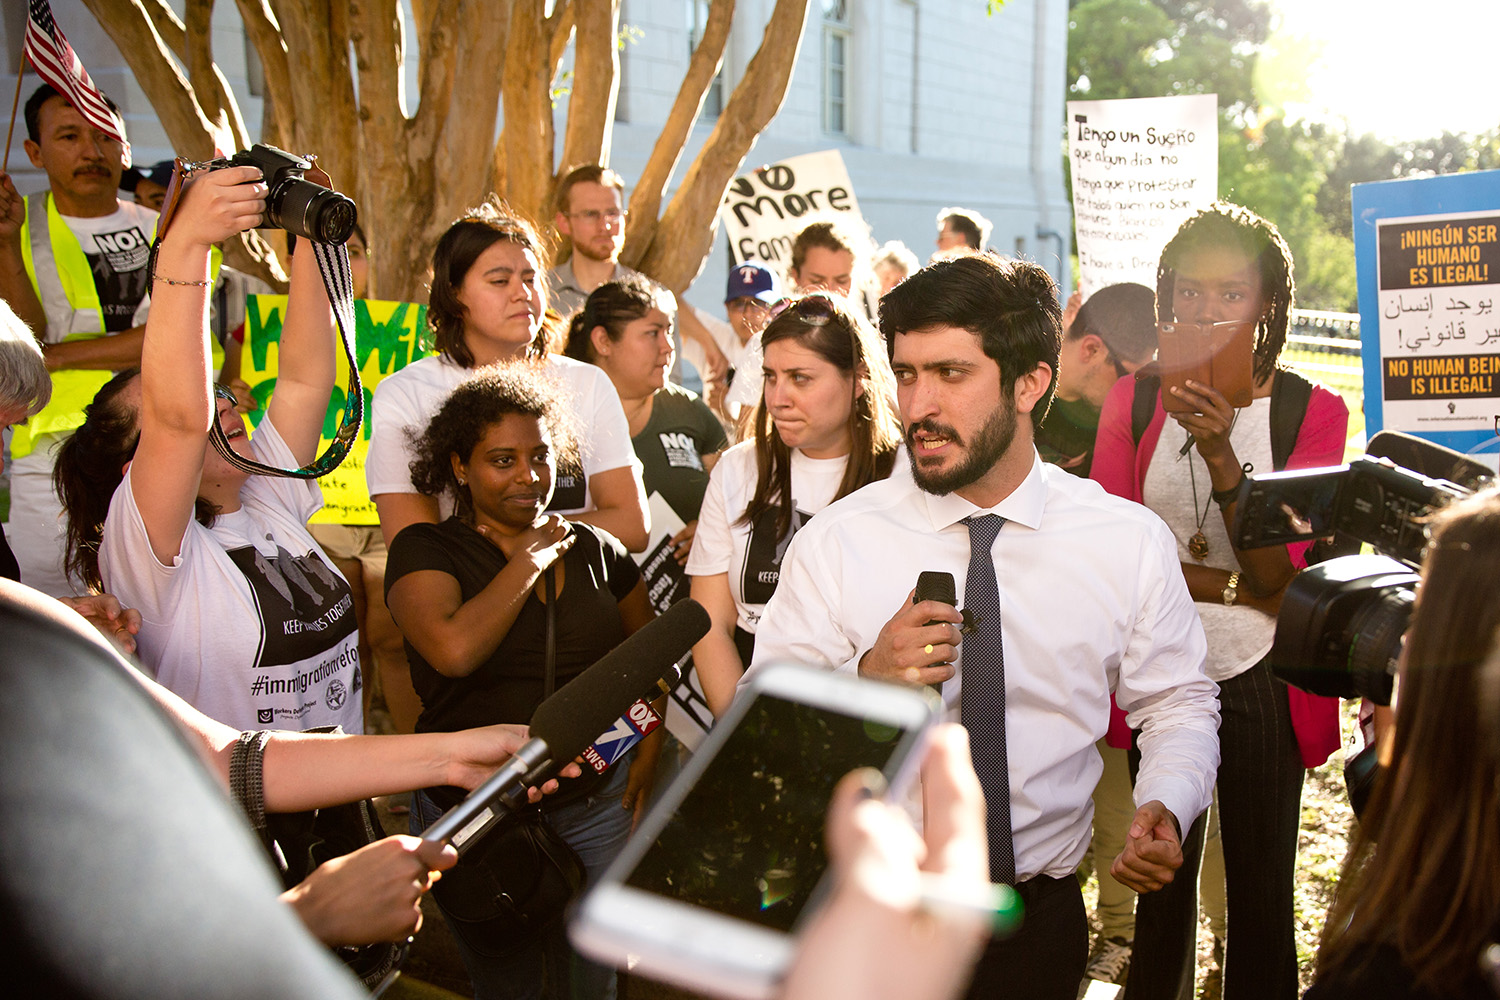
711 890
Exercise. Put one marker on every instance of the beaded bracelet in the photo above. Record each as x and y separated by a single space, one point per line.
174 281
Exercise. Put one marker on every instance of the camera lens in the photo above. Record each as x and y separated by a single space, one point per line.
1374 636
311 211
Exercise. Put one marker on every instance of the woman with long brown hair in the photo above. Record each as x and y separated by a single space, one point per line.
825 426
1419 898
486 307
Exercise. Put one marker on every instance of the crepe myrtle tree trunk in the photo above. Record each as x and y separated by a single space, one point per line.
415 162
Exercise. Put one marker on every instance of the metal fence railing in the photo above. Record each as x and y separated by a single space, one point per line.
1325 347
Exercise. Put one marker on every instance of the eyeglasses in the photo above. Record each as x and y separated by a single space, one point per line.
814 309
613 216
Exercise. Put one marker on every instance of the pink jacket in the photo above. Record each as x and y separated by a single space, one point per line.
1120 467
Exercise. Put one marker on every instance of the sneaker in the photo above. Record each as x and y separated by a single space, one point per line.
1110 960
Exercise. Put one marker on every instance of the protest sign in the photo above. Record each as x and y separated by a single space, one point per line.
1140 167
1427 252
388 337
764 210
688 715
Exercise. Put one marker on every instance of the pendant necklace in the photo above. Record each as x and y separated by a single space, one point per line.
1198 544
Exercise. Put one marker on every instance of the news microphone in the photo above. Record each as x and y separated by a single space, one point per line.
935 586
566 723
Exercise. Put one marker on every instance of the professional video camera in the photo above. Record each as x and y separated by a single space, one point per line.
294 203
1341 621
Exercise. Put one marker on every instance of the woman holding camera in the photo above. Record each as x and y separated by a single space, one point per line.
1227 264
1419 899
473 596
486 307
241 613
825 426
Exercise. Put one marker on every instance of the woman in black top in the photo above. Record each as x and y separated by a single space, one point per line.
468 595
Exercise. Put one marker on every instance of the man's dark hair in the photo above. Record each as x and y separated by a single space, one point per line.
1011 305
965 227
34 108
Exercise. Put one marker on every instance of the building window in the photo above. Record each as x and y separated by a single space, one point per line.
697 23
836 66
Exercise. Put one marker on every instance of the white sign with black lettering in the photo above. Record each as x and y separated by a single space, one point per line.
1140 167
764 210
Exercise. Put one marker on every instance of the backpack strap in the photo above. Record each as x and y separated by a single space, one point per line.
1143 405
1290 395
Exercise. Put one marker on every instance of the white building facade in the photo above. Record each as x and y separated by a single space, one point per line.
930 102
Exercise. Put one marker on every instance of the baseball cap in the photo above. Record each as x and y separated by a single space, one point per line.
751 281
159 173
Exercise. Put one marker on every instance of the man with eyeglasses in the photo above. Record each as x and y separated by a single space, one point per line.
591 214
1112 335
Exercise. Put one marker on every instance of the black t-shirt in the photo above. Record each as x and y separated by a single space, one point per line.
671 446
508 686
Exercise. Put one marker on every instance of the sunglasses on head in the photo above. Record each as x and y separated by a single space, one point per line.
814 309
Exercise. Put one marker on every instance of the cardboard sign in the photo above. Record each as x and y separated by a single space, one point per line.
764 210
1140 167
388 337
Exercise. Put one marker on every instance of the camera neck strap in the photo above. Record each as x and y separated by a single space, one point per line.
333 264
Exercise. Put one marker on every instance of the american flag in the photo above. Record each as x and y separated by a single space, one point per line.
55 62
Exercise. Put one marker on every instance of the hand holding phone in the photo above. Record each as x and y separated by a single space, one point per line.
1221 355
880 936
711 886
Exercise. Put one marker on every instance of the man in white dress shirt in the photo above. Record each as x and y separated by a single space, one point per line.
1086 592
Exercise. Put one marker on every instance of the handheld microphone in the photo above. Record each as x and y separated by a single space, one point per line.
575 715
935 586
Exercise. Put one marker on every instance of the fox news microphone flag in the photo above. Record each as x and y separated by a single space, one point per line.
56 63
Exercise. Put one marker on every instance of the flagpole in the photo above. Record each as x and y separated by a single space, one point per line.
5 164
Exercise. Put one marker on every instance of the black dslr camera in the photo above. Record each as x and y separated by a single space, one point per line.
1341 621
294 203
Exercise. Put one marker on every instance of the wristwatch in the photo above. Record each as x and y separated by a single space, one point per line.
1232 589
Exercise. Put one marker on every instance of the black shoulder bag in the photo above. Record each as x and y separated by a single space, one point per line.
519 878
300 842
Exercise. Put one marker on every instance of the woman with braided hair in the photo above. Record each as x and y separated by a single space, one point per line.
1226 264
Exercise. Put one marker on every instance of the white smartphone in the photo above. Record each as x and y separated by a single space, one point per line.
710 890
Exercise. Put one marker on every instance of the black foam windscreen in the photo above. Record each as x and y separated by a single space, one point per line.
935 586
590 703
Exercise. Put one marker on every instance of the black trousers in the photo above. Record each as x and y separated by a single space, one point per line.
1260 795
1045 958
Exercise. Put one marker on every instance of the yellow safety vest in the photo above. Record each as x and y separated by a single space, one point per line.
64 283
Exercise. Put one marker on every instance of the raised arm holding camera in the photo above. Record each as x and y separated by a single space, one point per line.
241 612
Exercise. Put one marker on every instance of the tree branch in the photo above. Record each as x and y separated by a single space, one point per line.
596 84
650 187
209 86
687 228
265 34
528 135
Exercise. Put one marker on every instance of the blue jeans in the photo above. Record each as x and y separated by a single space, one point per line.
547 966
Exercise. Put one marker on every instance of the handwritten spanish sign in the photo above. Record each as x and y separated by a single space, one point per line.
388 337
1140 167
764 210
1439 328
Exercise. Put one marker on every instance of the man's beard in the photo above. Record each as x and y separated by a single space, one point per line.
593 254
991 442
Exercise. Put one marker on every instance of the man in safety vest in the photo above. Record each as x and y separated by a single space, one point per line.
73 266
